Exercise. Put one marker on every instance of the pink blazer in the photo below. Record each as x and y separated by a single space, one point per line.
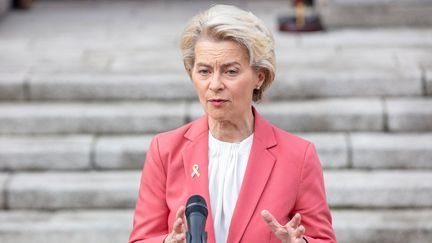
283 175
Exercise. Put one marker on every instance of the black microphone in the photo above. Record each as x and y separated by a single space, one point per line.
196 215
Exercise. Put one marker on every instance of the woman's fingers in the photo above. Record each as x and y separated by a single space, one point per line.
180 237
295 221
185 227
178 233
270 220
300 231
292 230
178 226
180 212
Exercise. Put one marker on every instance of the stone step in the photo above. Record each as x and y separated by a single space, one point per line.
125 152
101 190
391 151
367 40
12 86
46 153
113 226
337 81
110 226
77 190
379 189
387 226
409 114
350 13
95 118
319 115
83 152
311 80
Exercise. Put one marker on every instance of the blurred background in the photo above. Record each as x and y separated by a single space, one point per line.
85 84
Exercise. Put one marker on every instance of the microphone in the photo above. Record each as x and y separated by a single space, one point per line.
196 215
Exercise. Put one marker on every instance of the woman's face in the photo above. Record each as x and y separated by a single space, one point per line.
224 80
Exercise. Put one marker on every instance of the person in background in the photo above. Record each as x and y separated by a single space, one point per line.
261 184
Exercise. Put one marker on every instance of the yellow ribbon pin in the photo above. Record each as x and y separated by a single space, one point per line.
195 171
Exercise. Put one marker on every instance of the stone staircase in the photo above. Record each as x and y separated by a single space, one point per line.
85 84
368 13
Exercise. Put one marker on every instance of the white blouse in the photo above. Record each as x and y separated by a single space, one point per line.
227 166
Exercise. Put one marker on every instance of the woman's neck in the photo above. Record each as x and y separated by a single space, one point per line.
232 131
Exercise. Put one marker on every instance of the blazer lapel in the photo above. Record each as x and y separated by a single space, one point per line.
195 160
258 170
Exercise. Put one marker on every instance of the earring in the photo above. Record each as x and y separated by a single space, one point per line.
258 87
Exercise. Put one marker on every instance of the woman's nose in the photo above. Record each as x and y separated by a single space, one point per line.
216 83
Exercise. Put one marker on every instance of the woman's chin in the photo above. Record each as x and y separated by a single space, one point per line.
217 115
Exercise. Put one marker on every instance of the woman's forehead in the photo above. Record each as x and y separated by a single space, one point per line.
220 51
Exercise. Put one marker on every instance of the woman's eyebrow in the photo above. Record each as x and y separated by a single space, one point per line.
231 64
203 64
223 65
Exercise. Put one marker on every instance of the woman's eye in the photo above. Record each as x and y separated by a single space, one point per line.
232 72
203 71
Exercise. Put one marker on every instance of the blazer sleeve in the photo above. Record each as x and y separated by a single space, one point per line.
311 201
151 212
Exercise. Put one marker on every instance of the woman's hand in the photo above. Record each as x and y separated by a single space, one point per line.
178 234
292 232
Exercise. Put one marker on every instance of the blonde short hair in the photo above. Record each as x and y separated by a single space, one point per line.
226 22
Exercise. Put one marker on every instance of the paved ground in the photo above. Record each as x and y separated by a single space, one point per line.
85 84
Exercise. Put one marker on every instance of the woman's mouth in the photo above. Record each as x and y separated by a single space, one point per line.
217 102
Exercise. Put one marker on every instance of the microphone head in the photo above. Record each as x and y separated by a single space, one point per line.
196 203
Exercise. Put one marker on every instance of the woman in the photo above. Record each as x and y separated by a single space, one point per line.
261 184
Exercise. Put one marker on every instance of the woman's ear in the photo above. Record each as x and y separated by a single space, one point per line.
261 77
189 71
